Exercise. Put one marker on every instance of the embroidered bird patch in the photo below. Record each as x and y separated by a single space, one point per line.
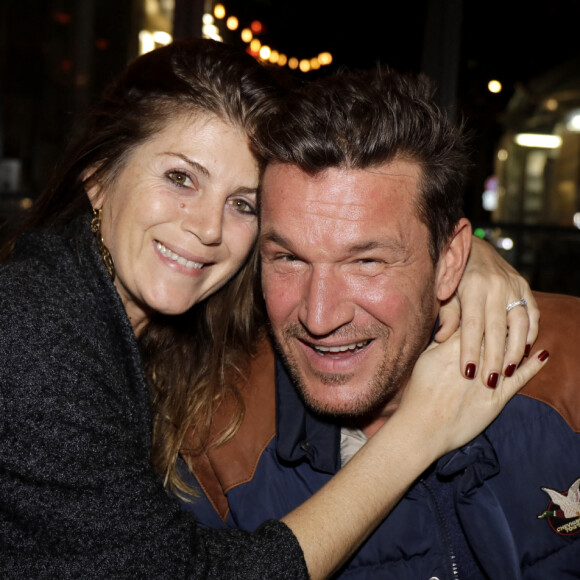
563 512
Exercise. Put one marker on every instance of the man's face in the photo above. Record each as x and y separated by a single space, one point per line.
348 280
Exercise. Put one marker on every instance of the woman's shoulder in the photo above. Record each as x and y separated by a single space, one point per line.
60 318
31 285
53 267
53 292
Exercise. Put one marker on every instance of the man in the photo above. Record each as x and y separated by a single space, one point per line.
362 239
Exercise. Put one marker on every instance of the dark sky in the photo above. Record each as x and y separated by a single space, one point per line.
510 40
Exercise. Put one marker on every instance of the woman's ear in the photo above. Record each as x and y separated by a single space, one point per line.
453 259
93 188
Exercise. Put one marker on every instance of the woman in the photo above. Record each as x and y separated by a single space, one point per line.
154 211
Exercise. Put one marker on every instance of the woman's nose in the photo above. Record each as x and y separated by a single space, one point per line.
204 219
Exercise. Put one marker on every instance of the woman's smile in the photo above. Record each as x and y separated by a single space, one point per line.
180 259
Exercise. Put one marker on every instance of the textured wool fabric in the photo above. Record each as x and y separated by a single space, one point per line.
78 497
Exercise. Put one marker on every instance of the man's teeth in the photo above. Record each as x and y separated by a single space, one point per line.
177 258
342 348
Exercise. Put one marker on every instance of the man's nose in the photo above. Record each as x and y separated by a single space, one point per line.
326 304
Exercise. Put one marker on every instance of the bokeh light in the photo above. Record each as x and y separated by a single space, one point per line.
325 58
248 35
265 52
257 27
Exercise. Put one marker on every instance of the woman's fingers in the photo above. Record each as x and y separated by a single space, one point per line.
509 386
489 285
450 407
449 319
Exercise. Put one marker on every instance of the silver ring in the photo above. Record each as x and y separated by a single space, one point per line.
521 302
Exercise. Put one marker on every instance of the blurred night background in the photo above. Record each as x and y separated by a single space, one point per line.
510 70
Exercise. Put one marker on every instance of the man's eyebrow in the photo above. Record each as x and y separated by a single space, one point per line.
271 237
390 244
200 168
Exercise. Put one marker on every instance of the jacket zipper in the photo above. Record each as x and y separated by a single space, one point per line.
445 530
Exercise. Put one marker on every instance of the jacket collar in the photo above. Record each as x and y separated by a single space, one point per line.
301 434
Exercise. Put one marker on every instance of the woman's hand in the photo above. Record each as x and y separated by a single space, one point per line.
488 285
447 407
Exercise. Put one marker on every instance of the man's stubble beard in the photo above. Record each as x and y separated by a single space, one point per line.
391 375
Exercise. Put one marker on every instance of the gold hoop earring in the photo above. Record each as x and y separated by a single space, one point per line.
103 250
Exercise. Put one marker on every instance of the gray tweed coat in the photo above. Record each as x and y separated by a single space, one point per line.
78 498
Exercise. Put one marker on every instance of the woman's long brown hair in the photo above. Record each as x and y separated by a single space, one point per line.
193 360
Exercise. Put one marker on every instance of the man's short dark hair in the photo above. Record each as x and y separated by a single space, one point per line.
360 120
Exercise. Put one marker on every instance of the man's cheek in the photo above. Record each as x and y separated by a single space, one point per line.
280 301
383 301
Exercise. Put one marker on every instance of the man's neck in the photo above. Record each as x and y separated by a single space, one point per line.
371 424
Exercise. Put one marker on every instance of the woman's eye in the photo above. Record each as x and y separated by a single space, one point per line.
178 177
243 206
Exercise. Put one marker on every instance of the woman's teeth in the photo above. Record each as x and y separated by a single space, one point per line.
177 258
322 350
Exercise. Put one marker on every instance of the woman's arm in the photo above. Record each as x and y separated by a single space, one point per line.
488 285
434 417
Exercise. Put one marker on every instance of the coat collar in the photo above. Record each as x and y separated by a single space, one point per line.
302 434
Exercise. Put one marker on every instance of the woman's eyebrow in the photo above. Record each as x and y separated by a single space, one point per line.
191 162
205 172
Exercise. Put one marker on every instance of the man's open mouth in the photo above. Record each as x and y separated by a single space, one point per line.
340 350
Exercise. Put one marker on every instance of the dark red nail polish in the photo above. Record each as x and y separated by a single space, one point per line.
543 355
509 371
492 380
528 349
470 371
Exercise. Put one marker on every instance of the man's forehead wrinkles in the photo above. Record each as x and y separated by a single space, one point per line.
337 207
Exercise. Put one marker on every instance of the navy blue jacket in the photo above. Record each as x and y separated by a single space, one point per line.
474 514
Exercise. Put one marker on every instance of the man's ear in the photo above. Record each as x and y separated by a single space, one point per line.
452 260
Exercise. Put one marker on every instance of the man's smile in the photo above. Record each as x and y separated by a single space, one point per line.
340 351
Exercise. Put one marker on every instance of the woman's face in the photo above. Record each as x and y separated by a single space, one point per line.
180 218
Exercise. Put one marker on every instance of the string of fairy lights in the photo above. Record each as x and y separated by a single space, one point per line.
249 35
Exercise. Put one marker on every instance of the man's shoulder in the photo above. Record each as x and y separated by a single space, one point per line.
219 469
558 385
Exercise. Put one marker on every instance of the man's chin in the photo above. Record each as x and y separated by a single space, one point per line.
344 400
336 394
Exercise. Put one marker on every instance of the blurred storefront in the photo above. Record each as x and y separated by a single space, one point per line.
56 57
534 195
